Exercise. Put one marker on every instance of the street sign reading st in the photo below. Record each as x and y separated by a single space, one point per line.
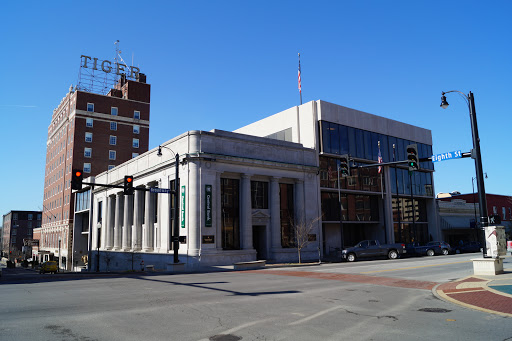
447 156
159 190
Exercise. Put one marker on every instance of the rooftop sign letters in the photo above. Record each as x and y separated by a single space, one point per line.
106 66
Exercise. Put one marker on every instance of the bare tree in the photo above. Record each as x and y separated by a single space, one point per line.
303 229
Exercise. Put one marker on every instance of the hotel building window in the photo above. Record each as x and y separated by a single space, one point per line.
87 167
136 115
113 125
135 143
113 140
87 152
88 137
111 154
89 122
90 107
134 155
136 129
113 111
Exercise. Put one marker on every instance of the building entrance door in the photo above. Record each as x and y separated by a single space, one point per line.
259 241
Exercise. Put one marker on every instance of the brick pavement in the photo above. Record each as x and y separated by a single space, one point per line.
473 292
355 278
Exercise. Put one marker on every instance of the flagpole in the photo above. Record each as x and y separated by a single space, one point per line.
300 83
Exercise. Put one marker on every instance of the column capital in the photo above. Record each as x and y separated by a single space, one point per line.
274 179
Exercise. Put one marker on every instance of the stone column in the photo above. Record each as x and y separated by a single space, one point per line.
138 211
118 225
275 213
127 222
147 235
300 213
246 210
109 230
194 208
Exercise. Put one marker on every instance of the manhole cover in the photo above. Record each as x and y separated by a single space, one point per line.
434 310
225 337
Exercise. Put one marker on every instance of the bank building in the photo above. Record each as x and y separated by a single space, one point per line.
243 195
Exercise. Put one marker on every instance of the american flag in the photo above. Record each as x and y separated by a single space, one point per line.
300 85
379 159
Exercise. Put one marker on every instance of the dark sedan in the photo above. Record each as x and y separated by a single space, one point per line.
441 247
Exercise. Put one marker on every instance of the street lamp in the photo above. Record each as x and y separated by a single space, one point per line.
475 153
175 237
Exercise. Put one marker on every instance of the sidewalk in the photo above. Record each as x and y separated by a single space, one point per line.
491 294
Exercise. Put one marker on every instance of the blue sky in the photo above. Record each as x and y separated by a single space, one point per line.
225 64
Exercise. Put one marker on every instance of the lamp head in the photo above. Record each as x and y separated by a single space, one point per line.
444 103
159 151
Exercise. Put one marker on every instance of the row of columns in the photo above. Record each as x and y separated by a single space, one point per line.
129 223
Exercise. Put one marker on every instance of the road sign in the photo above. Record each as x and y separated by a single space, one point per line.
159 190
447 156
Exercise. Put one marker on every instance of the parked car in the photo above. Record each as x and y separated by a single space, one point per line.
442 248
50 266
469 247
430 249
373 248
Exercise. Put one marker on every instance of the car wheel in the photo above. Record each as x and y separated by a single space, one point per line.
393 254
445 252
351 257
430 252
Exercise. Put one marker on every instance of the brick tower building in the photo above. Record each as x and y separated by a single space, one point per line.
93 132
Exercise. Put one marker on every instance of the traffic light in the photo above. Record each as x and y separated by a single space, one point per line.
412 157
76 179
128 185
344 166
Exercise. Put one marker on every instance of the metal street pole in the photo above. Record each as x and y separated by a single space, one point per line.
478 163
478 159
341 211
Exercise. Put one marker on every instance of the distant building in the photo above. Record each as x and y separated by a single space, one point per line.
457 225
92 132
17 227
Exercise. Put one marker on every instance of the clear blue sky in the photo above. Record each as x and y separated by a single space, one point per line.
225 64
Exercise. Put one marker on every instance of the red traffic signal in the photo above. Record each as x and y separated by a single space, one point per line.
128 185
76 179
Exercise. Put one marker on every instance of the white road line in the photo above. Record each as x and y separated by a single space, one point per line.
242 326
313 316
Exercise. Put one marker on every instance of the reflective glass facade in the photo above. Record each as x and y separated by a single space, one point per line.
410 190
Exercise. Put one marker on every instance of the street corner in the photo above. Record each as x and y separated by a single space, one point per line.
475 293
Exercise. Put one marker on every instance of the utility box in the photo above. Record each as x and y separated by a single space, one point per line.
495 241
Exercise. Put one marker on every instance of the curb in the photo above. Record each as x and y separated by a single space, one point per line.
439 293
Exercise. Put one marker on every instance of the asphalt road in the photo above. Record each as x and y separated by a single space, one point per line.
314 304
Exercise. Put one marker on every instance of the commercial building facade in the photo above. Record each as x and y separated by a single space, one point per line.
263 179
17 227
240 197
458 214
91 132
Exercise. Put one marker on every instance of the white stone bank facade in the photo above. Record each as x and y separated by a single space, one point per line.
238 197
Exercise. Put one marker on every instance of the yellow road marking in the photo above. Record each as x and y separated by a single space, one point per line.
414 267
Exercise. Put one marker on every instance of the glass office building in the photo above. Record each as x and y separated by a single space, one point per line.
393 205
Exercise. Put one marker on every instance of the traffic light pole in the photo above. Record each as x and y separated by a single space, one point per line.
176 230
